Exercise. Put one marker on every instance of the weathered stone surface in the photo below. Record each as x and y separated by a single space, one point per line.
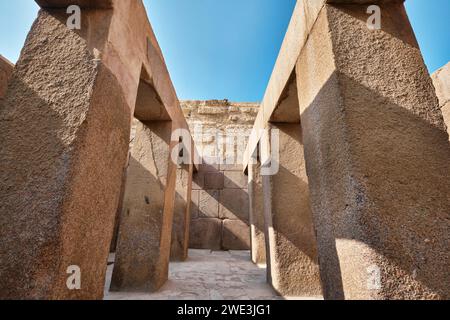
6 70
235 235
441 81
256 215
57 195
377 157
205 234
214 180
182 214
208 206
143 249
233 204
293 267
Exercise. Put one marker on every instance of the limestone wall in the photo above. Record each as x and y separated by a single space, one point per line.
6 69
220 208
441 81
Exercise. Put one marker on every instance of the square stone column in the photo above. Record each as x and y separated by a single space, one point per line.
291 245
182 214
378 157
64 129
256 212
143 249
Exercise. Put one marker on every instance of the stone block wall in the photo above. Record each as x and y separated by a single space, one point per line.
220 202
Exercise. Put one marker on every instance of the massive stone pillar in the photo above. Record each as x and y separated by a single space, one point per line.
143 249
64 128
377 155
182 214
290 236
256 211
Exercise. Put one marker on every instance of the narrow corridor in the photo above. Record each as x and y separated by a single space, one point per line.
207 275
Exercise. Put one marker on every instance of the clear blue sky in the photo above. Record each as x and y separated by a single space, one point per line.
218 49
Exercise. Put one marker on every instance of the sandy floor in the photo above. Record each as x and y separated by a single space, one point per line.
208 275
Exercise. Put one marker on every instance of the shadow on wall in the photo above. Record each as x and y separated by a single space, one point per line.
379 193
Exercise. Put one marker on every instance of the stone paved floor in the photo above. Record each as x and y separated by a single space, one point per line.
208 275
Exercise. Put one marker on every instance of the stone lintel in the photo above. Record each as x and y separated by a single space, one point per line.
303 18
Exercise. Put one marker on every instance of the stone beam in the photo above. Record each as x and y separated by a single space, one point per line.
293 268
377 155
287 109
303 19
6 70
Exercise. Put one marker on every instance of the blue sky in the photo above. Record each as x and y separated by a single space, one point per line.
217 49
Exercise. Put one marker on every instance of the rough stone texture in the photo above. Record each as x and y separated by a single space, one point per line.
208 275
182 214
377 156
144 242
206 234
256 215
441 81
57 196
235 235
293 266
6 70
220 131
